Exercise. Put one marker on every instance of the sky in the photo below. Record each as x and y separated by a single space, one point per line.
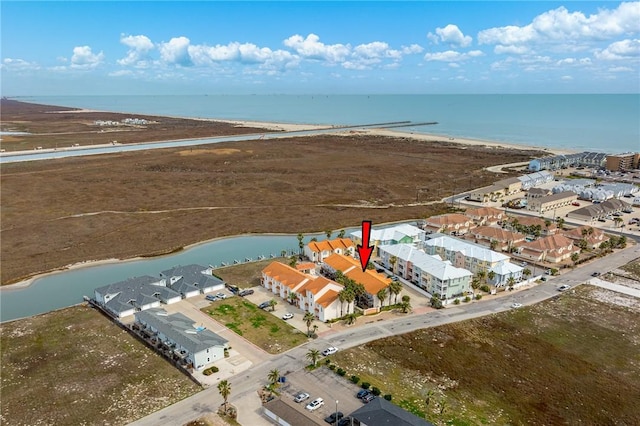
306 47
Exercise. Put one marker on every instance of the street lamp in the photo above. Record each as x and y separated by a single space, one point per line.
336 412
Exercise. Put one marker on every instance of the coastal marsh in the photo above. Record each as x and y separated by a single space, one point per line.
74 366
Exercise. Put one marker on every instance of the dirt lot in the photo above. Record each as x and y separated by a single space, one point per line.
57 213
74 366
572 359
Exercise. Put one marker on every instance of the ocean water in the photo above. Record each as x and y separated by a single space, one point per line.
602 123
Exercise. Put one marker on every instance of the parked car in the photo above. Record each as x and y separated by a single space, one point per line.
211 298
368 398
245 292
564 287
333 417
329 351
361 393
315 404
346 421
264 305
232 288
595 274
301 396
287 316
575 203
221 295
516 305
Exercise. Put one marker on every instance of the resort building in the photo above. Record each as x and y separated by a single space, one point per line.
317 251
314 294
532 227
136 294
591 236
552 249
495 238
430 273
620 162
597 211
474 257
191 280
486 216
594 159
535 179
452 223
398 234
194 344
371 280
549 203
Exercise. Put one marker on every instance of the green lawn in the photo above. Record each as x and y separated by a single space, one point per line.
261 328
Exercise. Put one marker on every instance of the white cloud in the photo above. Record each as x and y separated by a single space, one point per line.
176 51
138 53
121 73
19 65
515 50
620 69
624 49
450 34
312 48
567 29
414 48
574 61
84 58
566 78
452 56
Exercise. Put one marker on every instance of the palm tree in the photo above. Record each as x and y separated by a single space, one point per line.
493 244
392 261
292 298
273 376
511 281
405 305
272 304
350 318
395 287
342 297
293 261
526 272
617 221
381 295
350 297
308 318
225 390
574 258
561 223
313 355
491 275
328 234
341 234
301 242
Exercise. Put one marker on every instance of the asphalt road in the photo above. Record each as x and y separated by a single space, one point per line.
245 385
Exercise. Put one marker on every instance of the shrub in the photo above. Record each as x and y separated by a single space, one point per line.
355 379
456 302
375 391
485 288
332 367
365 385
478 296
388 397
466 299
327 361
209 371
341 372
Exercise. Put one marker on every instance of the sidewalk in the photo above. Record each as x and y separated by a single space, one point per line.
615 287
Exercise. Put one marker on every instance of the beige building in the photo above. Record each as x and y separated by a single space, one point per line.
452 223
495 238
626 161
551 202
486 216
552 249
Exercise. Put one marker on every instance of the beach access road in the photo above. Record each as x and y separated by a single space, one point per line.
245 385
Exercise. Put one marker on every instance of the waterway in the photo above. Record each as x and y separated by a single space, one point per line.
66 288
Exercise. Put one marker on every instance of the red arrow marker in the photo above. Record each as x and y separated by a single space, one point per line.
365 250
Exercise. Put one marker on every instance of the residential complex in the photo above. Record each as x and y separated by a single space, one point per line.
397 234
555 162
317 251
626 161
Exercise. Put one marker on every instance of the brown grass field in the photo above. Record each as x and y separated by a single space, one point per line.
56 213
569 360
74 366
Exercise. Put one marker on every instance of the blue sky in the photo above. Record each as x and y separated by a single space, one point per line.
150 47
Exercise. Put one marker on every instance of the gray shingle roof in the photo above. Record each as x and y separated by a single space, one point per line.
180 329
134 293
380 412
192 277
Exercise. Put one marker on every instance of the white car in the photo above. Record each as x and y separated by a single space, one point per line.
329 351
564 287
301 396
221 296
315 404
516 305
287 316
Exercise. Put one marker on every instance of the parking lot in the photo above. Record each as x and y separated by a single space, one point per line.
327 385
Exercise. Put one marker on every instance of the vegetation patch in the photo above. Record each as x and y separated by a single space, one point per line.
266 331
572 359
74 366
245 275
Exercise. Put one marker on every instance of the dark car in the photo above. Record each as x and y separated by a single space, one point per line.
595 274
346 421
245 292
264 305
362 393
331 418
232 288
